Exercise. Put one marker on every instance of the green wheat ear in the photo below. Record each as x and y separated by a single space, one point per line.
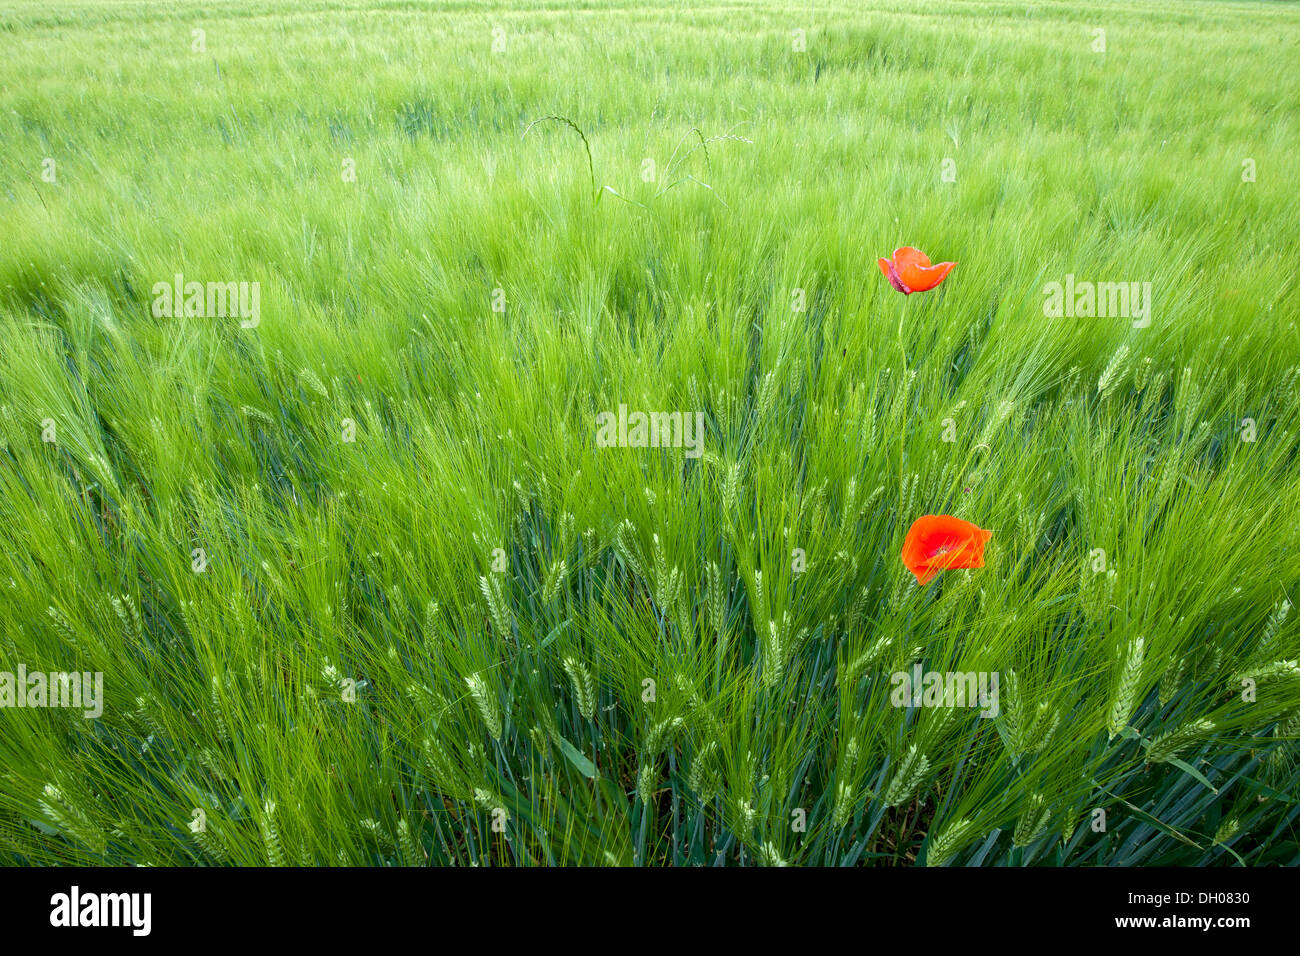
647 777
584 688
1033 820
1169 745
907 778
770 855
485 700
493 592
270 834
945 844
554 580
704 775
1126 688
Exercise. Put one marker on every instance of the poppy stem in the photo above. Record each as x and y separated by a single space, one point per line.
902 433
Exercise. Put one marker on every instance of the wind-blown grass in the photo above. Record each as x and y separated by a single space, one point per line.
471 635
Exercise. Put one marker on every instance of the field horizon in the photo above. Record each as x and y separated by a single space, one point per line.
488 434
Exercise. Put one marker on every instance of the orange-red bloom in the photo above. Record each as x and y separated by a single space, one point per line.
910 271
937 542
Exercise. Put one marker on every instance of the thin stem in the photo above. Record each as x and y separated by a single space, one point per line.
902 351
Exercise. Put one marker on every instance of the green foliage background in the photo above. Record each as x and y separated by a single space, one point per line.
350 682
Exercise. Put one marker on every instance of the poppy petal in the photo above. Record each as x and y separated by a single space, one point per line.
923 278
891 273
936 543
908 256
910 270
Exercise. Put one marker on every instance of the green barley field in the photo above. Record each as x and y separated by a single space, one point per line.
314 318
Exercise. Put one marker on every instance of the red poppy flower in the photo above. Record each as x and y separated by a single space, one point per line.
937 542
910 271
